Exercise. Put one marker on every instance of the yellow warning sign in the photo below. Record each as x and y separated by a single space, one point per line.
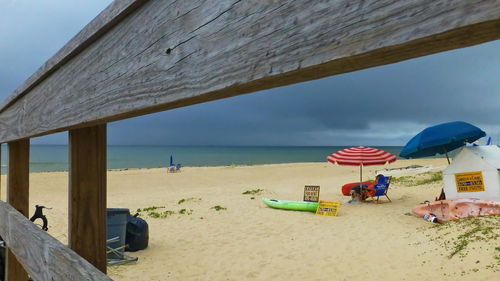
311 193
328 208
469 182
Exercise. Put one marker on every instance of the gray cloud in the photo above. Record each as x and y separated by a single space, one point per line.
32 31
385 105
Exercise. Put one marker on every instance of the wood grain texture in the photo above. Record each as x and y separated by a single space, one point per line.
0 171
18 198
87 194
168 53
44 257
99 26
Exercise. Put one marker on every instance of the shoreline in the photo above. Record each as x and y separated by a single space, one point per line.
235 165
49 158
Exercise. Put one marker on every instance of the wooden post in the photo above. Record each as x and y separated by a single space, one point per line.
87 194
17 197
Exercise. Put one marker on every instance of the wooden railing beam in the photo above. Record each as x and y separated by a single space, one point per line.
0 171
17 197
165 54
87 194
44 257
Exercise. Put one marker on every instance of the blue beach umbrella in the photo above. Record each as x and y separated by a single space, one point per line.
171 160
440 139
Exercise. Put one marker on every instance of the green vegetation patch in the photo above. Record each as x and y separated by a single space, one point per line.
161 215
218 208
185 211
154 212
497 255
459 237
406 167
418 179
253 191
149 209
184 200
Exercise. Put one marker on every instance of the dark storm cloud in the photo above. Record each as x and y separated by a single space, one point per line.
383 105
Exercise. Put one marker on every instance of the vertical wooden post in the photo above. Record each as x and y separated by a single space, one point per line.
17 197
87 194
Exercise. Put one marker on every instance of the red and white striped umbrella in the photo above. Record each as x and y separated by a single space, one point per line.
361 156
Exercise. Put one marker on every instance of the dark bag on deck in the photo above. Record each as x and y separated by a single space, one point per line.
137 237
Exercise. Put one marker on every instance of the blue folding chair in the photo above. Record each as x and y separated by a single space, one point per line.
173 167
381 188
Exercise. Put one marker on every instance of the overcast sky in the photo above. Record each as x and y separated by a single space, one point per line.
385 105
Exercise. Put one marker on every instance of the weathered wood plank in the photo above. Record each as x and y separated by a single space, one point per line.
106 20
87 194
0 172
44 257
169 53
18 198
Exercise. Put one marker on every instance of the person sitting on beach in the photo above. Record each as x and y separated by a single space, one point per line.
371 187
360 192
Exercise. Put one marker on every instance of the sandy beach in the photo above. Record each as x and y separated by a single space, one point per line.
249 241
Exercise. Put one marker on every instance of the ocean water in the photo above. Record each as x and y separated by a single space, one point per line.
45 158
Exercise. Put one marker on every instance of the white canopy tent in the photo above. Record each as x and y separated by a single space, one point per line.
474 173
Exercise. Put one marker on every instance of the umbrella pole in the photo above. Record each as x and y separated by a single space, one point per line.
447 158
360 173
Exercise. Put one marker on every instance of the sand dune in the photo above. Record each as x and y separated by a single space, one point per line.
249 241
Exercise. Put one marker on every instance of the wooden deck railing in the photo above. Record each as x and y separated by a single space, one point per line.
43 257
166 54
144 56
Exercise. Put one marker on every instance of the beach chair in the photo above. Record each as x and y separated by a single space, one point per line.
178 167
118 255
381 188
